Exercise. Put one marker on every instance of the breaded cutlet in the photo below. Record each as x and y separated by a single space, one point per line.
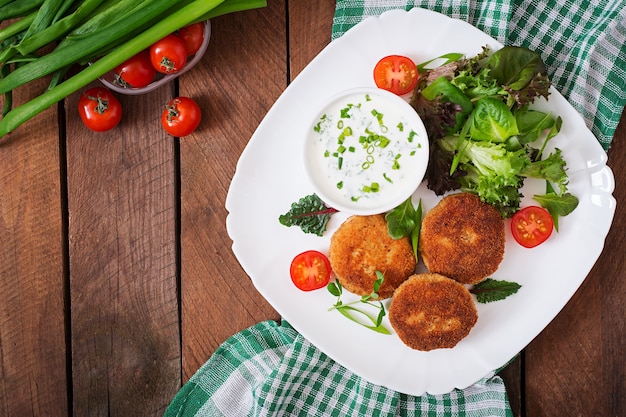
431 311
462 238
360 247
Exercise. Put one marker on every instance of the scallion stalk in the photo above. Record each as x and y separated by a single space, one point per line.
42 37
173 22
18 8
232 6
16 27
104 29
85 47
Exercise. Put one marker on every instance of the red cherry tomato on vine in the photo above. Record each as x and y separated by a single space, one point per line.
168 55
396 73
99 109
181 116
192 36
531 226
137 71
310 270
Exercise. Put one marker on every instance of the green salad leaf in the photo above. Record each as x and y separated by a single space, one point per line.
484 138
405 221
309 213
491 290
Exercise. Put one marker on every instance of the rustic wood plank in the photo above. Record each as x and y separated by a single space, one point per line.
577 362
240 77
512 376
123 271
310 25
32 327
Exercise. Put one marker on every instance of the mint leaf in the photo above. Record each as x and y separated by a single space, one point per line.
309 213
493 290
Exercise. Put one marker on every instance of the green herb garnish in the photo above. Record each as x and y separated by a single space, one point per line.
557 205
493 290
405 220
309 213
371 299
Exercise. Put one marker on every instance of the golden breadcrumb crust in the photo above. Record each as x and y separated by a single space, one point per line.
431 311
360 247
462 238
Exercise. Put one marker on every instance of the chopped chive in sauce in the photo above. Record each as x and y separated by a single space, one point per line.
396 164
366 151
372 188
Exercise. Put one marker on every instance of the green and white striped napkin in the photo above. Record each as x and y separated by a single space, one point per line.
271 370
583 44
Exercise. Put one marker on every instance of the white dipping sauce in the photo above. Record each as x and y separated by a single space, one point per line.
366 152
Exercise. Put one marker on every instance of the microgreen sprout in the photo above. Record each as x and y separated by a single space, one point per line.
348 310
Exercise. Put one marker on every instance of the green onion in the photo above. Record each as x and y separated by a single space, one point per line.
85 47
16 28
40 34
174 21
18 8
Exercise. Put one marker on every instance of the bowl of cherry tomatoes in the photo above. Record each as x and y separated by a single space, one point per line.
165 60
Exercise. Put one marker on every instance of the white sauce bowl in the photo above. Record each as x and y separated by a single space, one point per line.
366 151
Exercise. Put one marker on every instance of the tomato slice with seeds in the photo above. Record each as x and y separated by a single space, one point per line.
310 270
396 73
531 226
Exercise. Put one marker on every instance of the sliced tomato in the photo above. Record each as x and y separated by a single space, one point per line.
310 270
531 226
396 73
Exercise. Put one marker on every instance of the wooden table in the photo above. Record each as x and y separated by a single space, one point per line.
117 281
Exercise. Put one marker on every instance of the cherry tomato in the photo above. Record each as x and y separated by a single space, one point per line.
310 270
531 226
137 71
99 109
396 73
181 116
168 55
193 36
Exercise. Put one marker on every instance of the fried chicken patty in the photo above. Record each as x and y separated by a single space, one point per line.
360 247
462 238
431 311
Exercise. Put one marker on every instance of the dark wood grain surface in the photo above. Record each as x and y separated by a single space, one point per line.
117 281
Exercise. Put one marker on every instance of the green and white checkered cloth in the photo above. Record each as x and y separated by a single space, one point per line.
583 44
271 370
